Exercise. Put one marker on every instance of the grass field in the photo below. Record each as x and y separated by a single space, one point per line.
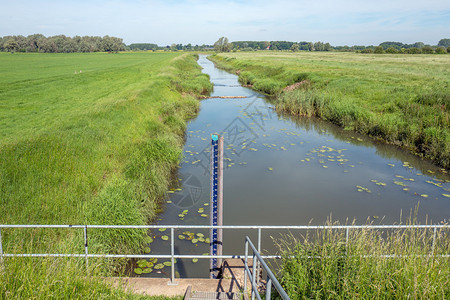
402 99
87 139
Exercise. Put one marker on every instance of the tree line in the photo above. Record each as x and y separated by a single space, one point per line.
61 44
443 46
65 44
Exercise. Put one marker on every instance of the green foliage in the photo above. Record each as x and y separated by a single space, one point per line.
62 44
427 50
414 50
444 43
295 47
143 46
222 45
440 50
56 278
378 50
367 50
391 50
322 265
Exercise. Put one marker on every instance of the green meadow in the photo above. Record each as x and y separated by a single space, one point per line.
401 99
86 139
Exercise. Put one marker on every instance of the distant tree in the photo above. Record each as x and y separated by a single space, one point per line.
11 45
378 50
327 47
395 45
414 50
444 43
427 50
295 47
310 46
448 49
418 45
367 50
319 46
222 45
440 50
391 50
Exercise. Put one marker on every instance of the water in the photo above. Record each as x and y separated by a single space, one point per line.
282 170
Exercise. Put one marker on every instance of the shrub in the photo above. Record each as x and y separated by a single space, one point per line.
427 50
379 50
367 50
414 50
440 50
391 50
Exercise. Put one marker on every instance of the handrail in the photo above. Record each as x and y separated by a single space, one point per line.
271 279
173 256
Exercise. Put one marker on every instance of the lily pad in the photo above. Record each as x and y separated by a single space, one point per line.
138 271
147 250
147 270
165 238
181 237
159 266
446 195
162 229
200 235
167 263
204 215
194 260
148 240
142 263
194 241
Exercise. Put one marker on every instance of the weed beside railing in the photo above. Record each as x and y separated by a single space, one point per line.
365 263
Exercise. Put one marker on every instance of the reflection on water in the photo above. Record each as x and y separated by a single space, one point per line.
284 170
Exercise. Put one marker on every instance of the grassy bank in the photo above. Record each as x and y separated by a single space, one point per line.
89 139
402 99
323 266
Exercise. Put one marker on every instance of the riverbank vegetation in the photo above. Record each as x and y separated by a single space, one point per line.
402 99
369 264
87 139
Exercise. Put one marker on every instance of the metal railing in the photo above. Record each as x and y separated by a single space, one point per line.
172 228
271 279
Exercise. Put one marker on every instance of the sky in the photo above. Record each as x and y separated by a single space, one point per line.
339 22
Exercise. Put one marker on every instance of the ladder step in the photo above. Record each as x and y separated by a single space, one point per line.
212 295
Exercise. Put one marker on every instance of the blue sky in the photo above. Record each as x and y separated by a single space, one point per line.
344 22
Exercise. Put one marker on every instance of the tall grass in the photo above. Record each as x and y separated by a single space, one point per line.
97 145
322 265
403 100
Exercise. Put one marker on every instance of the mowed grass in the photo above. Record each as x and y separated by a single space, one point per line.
87 139
402 99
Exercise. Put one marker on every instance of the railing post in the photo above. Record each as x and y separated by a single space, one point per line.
434 240
86 252
245 264
1 246
172 252
268 287
259 251
346 240
253 275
